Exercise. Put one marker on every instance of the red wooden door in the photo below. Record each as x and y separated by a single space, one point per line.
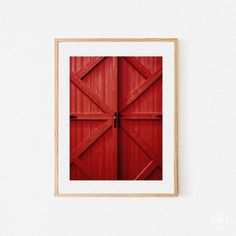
130 146
140 108
93 101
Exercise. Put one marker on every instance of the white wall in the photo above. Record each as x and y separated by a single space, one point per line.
207 151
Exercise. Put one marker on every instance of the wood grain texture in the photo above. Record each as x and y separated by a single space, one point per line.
141 143
79 116
95 98
116 40
142 116
87 143
136 76
137 65
147 170
92 102
94 62
141 89
141 119
176 76
56 104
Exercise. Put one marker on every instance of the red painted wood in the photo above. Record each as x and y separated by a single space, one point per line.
82 147
140 142
137 65
142 116
88 67
141 89
95 98
78 116
147 170
92 135
131 86
140 104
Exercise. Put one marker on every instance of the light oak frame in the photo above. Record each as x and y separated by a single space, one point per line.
56 92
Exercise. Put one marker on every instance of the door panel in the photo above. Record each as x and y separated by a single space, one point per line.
129 148
140 105
129 156
93 149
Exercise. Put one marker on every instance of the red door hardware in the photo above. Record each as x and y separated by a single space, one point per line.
116 118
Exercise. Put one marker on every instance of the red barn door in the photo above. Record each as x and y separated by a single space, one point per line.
140 108
93 101
128 147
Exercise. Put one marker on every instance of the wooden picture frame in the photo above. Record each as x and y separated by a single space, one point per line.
57 190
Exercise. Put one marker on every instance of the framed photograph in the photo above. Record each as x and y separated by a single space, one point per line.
116 117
